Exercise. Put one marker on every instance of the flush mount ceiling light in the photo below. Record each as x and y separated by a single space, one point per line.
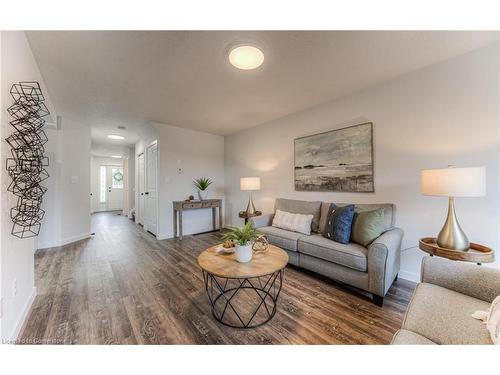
114 136
116 156
246 57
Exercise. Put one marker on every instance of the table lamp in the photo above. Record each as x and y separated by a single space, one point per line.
453 182
250 184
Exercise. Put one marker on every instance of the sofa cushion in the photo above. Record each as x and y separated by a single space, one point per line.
444 316
367 226
404 337
300 207
339 223
389 212
351 255
281 238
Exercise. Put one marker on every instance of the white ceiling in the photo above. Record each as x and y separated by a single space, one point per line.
108 149
181 78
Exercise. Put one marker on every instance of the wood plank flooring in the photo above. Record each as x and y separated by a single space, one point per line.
125 287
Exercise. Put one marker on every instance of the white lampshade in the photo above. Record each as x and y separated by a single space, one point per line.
454 182
250 183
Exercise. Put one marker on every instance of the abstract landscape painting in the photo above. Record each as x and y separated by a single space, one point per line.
338 160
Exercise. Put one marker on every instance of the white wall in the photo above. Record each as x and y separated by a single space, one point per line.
198 154
67 201
16 255
75 196
50 232
445 114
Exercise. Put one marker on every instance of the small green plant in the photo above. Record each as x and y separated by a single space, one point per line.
243 235
202 183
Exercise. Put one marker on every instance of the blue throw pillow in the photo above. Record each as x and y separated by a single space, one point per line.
339 223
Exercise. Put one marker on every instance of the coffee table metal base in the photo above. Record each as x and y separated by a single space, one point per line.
221 295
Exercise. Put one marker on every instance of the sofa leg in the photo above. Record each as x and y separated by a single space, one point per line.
378 300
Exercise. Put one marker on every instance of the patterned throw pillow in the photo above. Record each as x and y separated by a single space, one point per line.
295 222
338 223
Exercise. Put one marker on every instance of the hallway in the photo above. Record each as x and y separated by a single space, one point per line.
124 287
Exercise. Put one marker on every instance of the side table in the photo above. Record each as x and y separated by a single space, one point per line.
477 253
246 216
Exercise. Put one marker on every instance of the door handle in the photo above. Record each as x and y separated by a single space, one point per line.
147 193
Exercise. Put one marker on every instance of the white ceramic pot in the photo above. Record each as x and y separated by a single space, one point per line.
202 194
244 253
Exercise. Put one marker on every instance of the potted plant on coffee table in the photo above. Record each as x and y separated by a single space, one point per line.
243 238
202 184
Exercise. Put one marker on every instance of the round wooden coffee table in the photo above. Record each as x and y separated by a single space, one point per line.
243 295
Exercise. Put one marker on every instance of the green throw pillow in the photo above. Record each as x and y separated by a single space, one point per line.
367 226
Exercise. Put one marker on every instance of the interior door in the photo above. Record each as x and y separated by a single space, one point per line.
115 181
141 190
151 192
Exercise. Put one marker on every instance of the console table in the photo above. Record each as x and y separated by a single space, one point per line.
180 206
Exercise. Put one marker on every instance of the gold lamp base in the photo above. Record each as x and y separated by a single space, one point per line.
452 236
250 207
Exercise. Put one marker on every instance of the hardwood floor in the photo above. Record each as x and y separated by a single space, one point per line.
125 287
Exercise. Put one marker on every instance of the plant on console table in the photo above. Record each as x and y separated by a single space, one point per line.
202 184
243 237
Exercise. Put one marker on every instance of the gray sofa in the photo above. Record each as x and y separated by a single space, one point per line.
372 269
441 307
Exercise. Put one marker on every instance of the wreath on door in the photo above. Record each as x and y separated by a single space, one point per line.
118 176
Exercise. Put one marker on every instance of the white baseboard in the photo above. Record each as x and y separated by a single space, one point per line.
78 237
66 241
24 314
410 276
164 236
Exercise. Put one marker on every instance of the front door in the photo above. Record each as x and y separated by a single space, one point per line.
114 177
110 188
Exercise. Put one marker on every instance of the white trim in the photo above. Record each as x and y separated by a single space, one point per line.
98 211
24 314
164 236
410 276
72 239
67 241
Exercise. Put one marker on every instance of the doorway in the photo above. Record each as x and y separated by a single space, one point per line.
147 194
151 193
141 189
111 186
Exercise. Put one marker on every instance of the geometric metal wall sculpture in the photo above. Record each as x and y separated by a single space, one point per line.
27 165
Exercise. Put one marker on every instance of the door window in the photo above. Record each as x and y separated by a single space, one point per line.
102 184
117 178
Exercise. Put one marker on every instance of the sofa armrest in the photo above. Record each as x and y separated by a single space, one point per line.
262 221
384 260
470 279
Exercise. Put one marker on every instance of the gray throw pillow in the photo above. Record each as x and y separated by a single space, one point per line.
367 226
